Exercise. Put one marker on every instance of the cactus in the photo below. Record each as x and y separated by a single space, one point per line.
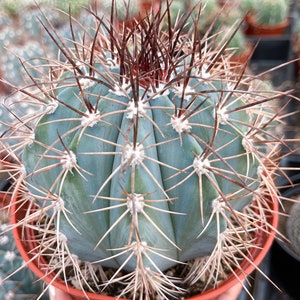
269 12
15 285
209 11
177 8
123 9
247 6
208 8
237 43
16 7
230 25
145 153
75 5
22 37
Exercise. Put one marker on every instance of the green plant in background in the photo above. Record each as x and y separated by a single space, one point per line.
247 6
270 12
22 37
146 152
65 5
12 66
15 7
123 9
177 9
235 39
209 9
230 24
17 281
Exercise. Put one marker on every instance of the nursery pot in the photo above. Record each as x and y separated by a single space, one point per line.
239 60
253 28
26 243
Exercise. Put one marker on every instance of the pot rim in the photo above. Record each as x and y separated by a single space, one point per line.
282 24
255 28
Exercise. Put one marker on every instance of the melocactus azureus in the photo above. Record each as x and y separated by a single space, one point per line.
148 149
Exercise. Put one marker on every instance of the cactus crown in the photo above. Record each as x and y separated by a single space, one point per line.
146 151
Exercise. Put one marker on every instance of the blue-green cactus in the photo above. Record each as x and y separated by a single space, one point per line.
144 155
17 281
22 36
16 7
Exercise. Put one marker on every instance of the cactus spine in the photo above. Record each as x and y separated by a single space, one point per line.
146 152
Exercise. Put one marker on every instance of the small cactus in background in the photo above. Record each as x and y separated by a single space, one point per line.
15 7
127 10
17 281
13 70
146 151
230 24
237 42
209 9
271 12
246 6
22 37
123 9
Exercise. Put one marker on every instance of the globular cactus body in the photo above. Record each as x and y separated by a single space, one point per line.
162 164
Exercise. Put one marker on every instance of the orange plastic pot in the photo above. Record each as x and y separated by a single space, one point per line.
253 28
25 241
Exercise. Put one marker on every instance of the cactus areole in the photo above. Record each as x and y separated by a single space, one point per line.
146 150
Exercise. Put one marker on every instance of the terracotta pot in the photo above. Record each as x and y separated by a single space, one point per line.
253 28
25 241
147 6
240 60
